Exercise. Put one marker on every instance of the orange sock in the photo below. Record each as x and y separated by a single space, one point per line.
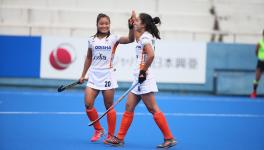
125 124
111 121
163 125
93 115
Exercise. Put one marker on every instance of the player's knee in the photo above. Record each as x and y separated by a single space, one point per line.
108 104
129 107
151 110
88 105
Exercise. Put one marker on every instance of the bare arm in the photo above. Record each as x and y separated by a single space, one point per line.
143 68
150 56
131 34
129 39
87 64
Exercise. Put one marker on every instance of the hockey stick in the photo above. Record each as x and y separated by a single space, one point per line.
64 87
118 101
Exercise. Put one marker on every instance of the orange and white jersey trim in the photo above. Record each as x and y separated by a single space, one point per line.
141 57
103 51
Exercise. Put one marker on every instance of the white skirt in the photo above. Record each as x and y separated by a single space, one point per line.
148 86
101 79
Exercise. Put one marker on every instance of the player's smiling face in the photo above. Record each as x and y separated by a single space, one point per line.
103 25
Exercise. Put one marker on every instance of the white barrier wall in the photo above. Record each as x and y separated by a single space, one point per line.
175 62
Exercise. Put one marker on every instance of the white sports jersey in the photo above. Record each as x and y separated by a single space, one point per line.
150 84
103 51
146 38
101 73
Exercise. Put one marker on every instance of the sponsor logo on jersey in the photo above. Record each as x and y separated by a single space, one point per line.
99 57
138 47
102 47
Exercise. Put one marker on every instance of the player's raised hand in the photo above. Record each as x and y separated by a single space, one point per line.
131 20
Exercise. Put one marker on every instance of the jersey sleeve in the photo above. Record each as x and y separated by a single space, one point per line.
90 43
146 40
115 38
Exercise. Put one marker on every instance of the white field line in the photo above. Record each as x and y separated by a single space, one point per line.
140 114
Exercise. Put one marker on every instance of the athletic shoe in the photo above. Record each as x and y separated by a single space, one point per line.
114 141
167 143
97 135
253 94
108 138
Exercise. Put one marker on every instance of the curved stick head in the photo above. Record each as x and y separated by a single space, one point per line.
61 88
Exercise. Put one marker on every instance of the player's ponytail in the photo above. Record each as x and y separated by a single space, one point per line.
99 16
156 20
150 24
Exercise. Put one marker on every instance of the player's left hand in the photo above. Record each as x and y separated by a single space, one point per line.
142 76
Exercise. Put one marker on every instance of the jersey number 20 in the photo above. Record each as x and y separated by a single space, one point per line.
107 83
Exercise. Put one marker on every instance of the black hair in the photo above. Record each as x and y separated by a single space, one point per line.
99 16
150 24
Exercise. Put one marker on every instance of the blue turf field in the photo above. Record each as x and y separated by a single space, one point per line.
46 120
